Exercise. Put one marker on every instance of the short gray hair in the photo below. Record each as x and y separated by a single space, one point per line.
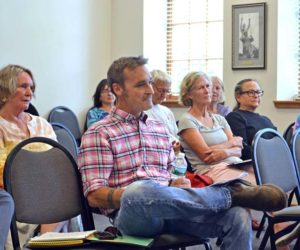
217 79
159 75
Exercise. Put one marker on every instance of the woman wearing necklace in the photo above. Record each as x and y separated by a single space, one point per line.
206 137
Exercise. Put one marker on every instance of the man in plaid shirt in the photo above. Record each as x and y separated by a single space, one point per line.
125 161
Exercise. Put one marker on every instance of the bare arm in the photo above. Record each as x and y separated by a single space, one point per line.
214 153
105 197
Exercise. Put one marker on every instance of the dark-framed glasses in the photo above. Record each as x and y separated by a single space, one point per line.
105 91
162 90
253 93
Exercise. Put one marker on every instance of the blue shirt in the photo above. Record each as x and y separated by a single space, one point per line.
94 115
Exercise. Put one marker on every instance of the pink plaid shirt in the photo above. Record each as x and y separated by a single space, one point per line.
120 149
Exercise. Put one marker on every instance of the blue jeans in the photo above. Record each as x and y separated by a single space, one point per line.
6 213
148 209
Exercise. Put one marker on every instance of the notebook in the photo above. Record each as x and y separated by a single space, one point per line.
54 239
242 163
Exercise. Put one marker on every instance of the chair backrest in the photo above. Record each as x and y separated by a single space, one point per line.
288 133
296 150
32 110
46 185
65 138
273 161
68 118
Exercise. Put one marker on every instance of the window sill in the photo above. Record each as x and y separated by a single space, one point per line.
287 104
172 101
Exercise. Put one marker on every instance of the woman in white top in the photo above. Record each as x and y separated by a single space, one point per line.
206 137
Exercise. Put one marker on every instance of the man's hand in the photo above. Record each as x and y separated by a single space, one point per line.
181 182
176 146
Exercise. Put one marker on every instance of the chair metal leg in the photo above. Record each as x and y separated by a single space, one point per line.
264 241
207 246
219 242
261 226
297 245
272 239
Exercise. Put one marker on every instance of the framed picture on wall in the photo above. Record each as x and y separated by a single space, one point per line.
248 36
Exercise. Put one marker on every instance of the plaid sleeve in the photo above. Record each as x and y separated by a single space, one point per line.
95 160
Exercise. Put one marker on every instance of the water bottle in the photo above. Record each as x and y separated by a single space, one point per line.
180 165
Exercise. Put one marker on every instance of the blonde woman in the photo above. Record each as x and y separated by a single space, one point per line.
206 137
17 88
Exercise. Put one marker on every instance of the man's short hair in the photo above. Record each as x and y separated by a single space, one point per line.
115 72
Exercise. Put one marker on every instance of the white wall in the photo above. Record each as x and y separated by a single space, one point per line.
127 28
69 44
66 44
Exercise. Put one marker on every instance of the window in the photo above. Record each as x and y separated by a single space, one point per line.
194 38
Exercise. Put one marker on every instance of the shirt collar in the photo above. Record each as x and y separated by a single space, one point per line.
127 117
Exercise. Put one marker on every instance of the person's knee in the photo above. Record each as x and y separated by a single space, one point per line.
137 190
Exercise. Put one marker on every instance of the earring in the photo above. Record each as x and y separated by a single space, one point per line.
4 100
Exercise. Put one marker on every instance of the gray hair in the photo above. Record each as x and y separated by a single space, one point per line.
159 75
187 83
9 81
218 80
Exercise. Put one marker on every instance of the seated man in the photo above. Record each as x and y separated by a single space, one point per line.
125 162
6 213
162 87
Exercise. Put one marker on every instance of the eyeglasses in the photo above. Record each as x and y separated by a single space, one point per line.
162 90
105 91
252 93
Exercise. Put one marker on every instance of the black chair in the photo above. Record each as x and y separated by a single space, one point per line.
273 163
66 138
32 110
288 133
45 185
67 117
47 188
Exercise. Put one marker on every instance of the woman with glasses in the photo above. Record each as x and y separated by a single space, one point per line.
162 88
244 121
104 100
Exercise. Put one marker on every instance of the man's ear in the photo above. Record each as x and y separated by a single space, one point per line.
117 89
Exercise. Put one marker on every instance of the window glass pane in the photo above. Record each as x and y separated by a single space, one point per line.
215 67
215 40
180 42
198 41
180 11
198 10
215 10
197 38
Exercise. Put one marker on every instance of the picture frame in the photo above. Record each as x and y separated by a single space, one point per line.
248 36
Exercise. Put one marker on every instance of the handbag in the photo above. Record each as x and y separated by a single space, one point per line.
199 180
